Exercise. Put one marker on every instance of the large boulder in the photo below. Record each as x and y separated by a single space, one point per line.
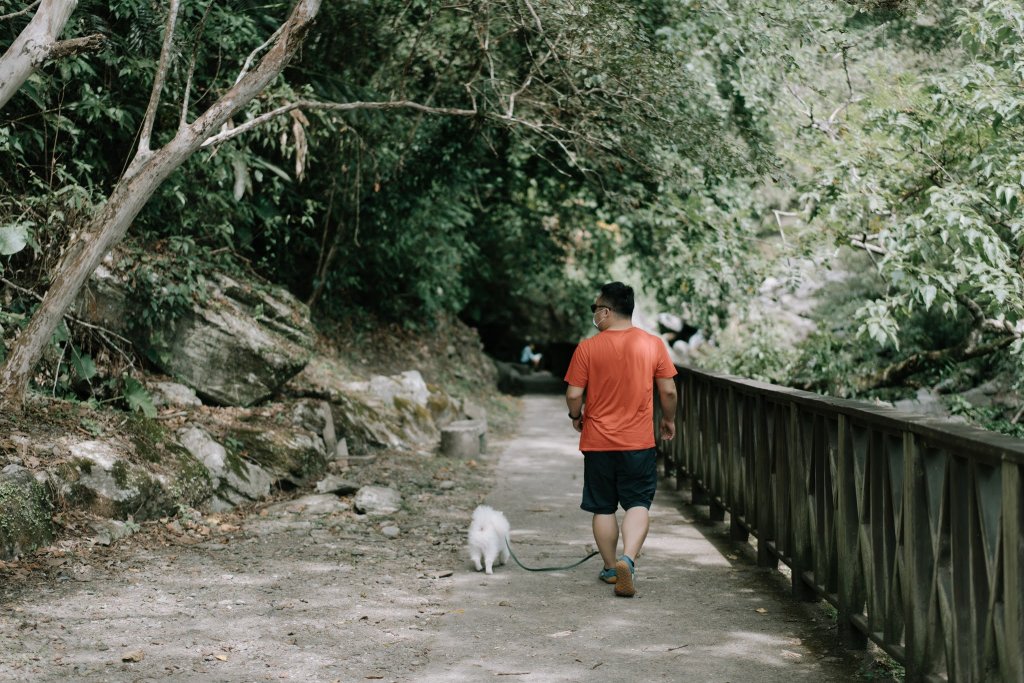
25 509
288 454
242 345
237 346
234 479
101 478
377 501
396 411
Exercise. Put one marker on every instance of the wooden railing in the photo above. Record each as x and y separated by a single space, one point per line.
912 528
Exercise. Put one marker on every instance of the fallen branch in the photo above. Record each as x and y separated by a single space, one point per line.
171 416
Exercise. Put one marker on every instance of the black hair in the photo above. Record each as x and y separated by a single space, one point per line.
618 297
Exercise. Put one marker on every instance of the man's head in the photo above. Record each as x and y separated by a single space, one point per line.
613 306
618 298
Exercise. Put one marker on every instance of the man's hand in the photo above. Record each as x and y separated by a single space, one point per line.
668 428
667 396
577 424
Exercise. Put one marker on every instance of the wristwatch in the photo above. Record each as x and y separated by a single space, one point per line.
575 417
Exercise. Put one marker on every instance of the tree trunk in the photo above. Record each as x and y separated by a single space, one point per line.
111 221
33 45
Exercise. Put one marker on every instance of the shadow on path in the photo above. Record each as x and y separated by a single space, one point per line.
697 616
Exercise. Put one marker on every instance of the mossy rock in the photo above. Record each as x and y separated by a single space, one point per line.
105 483
191 483
188 481
293 455
25 513
443 408
415 421
363 426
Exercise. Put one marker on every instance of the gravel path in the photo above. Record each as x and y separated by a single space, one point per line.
299 591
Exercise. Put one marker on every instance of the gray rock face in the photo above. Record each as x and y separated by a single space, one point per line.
289 454
25 510
173 394
408 385
377 500
315 504
337 485
321 504
249 481
398 411
98 473
237 348
235 479
207 451
108 531
242 345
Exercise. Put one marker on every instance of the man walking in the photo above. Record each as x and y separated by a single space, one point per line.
617 370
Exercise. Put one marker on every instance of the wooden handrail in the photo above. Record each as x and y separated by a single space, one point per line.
913 528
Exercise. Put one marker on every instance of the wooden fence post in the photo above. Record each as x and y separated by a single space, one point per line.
919 566
851 587
1012 655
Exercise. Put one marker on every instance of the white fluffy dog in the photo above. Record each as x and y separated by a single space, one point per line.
488 538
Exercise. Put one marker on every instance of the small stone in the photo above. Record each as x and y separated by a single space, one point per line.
82 572
446 485
378 500
336 484
391 531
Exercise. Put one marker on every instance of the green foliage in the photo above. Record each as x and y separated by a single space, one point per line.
994 418
137 398
757 352
893 128
930 182
92 427
13 238
404 214
705 144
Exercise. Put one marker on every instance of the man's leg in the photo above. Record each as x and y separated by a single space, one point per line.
634 530
606 534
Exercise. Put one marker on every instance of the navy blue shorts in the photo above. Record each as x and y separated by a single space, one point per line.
613 478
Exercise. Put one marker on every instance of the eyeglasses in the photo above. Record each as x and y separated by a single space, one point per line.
594 307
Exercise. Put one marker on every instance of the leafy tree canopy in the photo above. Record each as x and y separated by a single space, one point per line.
708 143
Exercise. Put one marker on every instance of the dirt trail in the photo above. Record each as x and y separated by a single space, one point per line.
288 592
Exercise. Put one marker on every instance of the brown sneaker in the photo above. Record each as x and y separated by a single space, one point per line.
625 585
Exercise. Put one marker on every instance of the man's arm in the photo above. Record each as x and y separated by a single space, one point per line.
668 398
574 400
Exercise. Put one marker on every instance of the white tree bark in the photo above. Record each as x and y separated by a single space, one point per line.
145 174
33 45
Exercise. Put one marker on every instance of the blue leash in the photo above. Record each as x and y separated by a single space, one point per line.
546 569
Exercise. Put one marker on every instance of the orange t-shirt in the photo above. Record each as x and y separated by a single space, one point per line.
617 368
